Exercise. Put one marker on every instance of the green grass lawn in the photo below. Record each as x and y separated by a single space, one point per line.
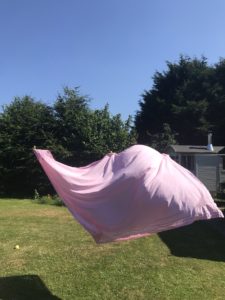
57 259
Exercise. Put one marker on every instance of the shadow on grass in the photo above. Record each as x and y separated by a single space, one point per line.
202 240
24 288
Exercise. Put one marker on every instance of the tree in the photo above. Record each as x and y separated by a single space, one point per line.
108 133
89 134
160 141
71 112
23 124
216 110
189 97
74 133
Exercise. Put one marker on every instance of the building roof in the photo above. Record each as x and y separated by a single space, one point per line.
196 149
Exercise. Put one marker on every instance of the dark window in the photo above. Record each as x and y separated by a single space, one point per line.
187 161
223 159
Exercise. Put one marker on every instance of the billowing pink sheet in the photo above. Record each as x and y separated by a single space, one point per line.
131 194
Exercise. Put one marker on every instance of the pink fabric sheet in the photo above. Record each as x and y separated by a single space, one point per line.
128 195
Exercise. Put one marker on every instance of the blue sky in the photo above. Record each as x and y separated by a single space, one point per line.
109 48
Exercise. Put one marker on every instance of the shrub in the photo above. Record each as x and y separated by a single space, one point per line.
47 199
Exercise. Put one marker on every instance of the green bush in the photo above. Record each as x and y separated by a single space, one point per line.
75 134
47 199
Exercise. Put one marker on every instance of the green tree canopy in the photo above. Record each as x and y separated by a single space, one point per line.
76 135
88 134
190 97
23 124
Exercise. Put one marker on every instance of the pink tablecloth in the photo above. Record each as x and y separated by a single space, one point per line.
131 194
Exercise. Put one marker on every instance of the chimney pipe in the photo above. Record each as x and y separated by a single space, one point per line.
210 146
